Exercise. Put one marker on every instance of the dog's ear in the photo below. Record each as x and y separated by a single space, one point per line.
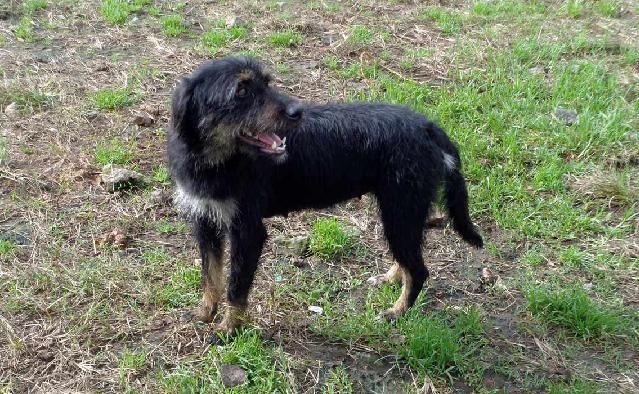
181 106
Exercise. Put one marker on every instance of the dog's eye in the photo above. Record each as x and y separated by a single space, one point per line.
241 92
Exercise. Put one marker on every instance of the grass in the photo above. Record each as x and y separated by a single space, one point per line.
330 239
117 12
448 22
572 308
28 100
112 99
31 6
361 35
338 382
4 154
265 368
24 30
114 151
173 25
286 38
162 175
6 247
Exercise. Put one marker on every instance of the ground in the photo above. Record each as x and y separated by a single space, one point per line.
541 96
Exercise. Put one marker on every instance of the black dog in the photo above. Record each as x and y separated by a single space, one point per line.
239 152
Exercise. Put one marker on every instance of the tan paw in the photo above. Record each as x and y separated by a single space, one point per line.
201 313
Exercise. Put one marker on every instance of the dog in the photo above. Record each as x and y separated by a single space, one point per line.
240 151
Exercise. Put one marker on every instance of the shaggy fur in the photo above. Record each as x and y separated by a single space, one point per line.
233 168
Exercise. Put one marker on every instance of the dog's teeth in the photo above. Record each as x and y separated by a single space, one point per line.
284 141
274 145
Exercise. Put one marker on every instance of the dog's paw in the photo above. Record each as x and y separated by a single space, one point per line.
201 313
376 280
389 315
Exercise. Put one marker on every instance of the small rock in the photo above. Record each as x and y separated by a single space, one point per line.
18 233
588 286
45 355
11 110
160 197
566 116
537 70
316 309
143 120
115 178
232 375
116 238
92 115
233 21
487 277
295 247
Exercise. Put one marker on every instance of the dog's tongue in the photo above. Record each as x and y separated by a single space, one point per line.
270 139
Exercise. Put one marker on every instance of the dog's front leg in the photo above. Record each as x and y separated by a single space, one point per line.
247 238
210 238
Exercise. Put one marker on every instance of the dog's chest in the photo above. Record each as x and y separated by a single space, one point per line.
221 211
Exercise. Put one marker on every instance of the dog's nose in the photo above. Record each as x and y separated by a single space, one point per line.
294 111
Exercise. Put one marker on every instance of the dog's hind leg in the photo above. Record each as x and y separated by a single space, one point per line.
210 238
404 216
247 239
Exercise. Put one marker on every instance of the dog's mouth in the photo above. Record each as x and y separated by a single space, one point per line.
269 143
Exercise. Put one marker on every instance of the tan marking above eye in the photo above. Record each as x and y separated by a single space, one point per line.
246 75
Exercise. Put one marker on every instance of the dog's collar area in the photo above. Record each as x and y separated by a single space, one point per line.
269 143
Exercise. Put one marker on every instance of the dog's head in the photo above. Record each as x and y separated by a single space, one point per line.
227 106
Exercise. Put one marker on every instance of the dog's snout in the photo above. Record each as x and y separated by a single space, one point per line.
294 111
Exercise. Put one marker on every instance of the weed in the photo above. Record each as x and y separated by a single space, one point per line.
4 149
575 386
214 40
155 256
338 382
265 368
31 6
361 35
286 38
182 289
6 247
331 62
330 239
173 25
131 362
27 99
572 308
162 175
110 99
575 8
608 8
116 12
282 68
406 64
114 151
24 30
448 22
238 32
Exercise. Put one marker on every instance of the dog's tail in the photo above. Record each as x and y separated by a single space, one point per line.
455 191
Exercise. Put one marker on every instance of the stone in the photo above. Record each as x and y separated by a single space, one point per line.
294 247
316 309
19 233
232 375
11 110
566 116
115 178
143 120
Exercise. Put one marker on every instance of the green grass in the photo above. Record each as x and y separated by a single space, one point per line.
572 308
31 6
213 41
182 290
6 247
162 175
114 151
609 8
28 100
265 368
338 382
173 25
448 22
4 149
111 99
24 30
116 12
286 38
361 35
330 239
131 362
